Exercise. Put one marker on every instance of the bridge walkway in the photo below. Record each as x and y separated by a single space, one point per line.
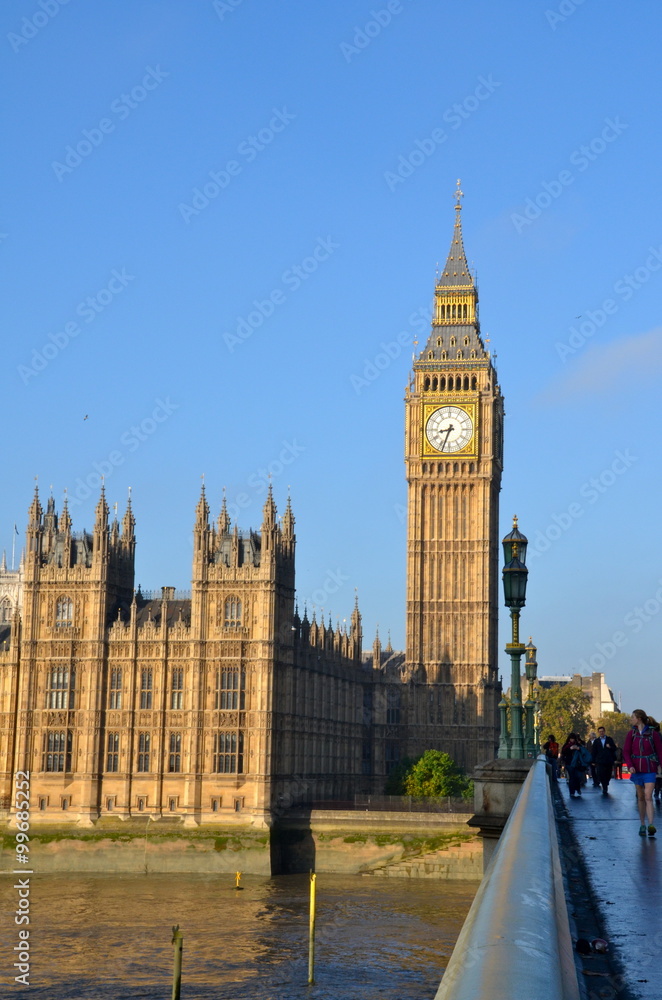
626 876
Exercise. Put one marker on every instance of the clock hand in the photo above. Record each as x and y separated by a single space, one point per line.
448 430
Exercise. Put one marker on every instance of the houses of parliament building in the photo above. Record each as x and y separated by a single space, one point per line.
229 704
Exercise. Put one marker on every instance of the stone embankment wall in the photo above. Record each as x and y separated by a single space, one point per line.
346 843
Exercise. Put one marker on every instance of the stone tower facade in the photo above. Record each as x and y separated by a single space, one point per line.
453 456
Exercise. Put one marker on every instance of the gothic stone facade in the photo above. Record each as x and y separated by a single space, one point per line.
226 705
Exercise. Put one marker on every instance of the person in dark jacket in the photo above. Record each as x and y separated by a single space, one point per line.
574 766
603 753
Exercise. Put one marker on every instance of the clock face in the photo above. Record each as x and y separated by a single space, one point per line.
449 429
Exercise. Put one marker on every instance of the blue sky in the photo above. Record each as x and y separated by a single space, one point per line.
219 231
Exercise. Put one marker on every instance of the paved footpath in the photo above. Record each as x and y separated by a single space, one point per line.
626 874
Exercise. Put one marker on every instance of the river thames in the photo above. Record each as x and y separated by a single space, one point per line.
108 937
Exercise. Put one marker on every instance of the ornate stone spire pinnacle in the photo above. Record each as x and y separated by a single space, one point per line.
101 512
65 519
224 517
456 271
288 520
35 511
128 521
269 512
202 509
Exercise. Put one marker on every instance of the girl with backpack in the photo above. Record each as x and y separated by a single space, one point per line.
642 752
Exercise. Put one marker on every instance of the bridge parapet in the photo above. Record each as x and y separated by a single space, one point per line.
515 942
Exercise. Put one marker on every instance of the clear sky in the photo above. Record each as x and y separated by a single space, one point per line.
219 231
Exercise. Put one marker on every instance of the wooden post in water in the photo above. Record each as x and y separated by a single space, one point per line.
311 932
178 942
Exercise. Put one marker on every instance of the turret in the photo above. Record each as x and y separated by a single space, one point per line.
128 540
201 536
223 518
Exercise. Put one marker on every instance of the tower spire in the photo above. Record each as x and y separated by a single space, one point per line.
456 272
455 334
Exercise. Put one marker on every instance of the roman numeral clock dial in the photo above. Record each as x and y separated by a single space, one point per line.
449 430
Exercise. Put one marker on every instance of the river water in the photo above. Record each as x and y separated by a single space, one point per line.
108 937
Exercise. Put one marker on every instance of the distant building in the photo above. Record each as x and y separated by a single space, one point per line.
595 686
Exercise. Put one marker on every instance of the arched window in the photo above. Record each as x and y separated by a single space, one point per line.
143 752
442 383
228 753
57 751
113 752
232 618
426 383
146 688
60 689
450 383
5 610
177 688
175 756
115 690
230 690
466 341
64 612
466 381
438 341
465 310
453 341
434 384
474 383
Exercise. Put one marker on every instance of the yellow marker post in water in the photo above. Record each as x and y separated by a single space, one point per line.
311 931
237 880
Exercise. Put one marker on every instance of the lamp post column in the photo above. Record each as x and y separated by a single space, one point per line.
530 706
515 649
504 742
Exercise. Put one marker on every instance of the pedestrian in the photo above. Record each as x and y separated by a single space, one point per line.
575 758
551 749
603 753
618 762
592 737
642 753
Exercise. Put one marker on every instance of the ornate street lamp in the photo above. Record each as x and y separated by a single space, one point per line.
531 668
514 589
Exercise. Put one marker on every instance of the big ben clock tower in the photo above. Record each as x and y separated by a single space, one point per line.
453 456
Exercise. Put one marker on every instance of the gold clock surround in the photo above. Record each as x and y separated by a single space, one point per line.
428 408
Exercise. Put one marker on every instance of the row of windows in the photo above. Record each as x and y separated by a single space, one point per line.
452 383
229 692
64 612
227 752
456 311
141 803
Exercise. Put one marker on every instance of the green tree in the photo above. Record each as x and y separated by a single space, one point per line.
564 709
617 725
435 774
